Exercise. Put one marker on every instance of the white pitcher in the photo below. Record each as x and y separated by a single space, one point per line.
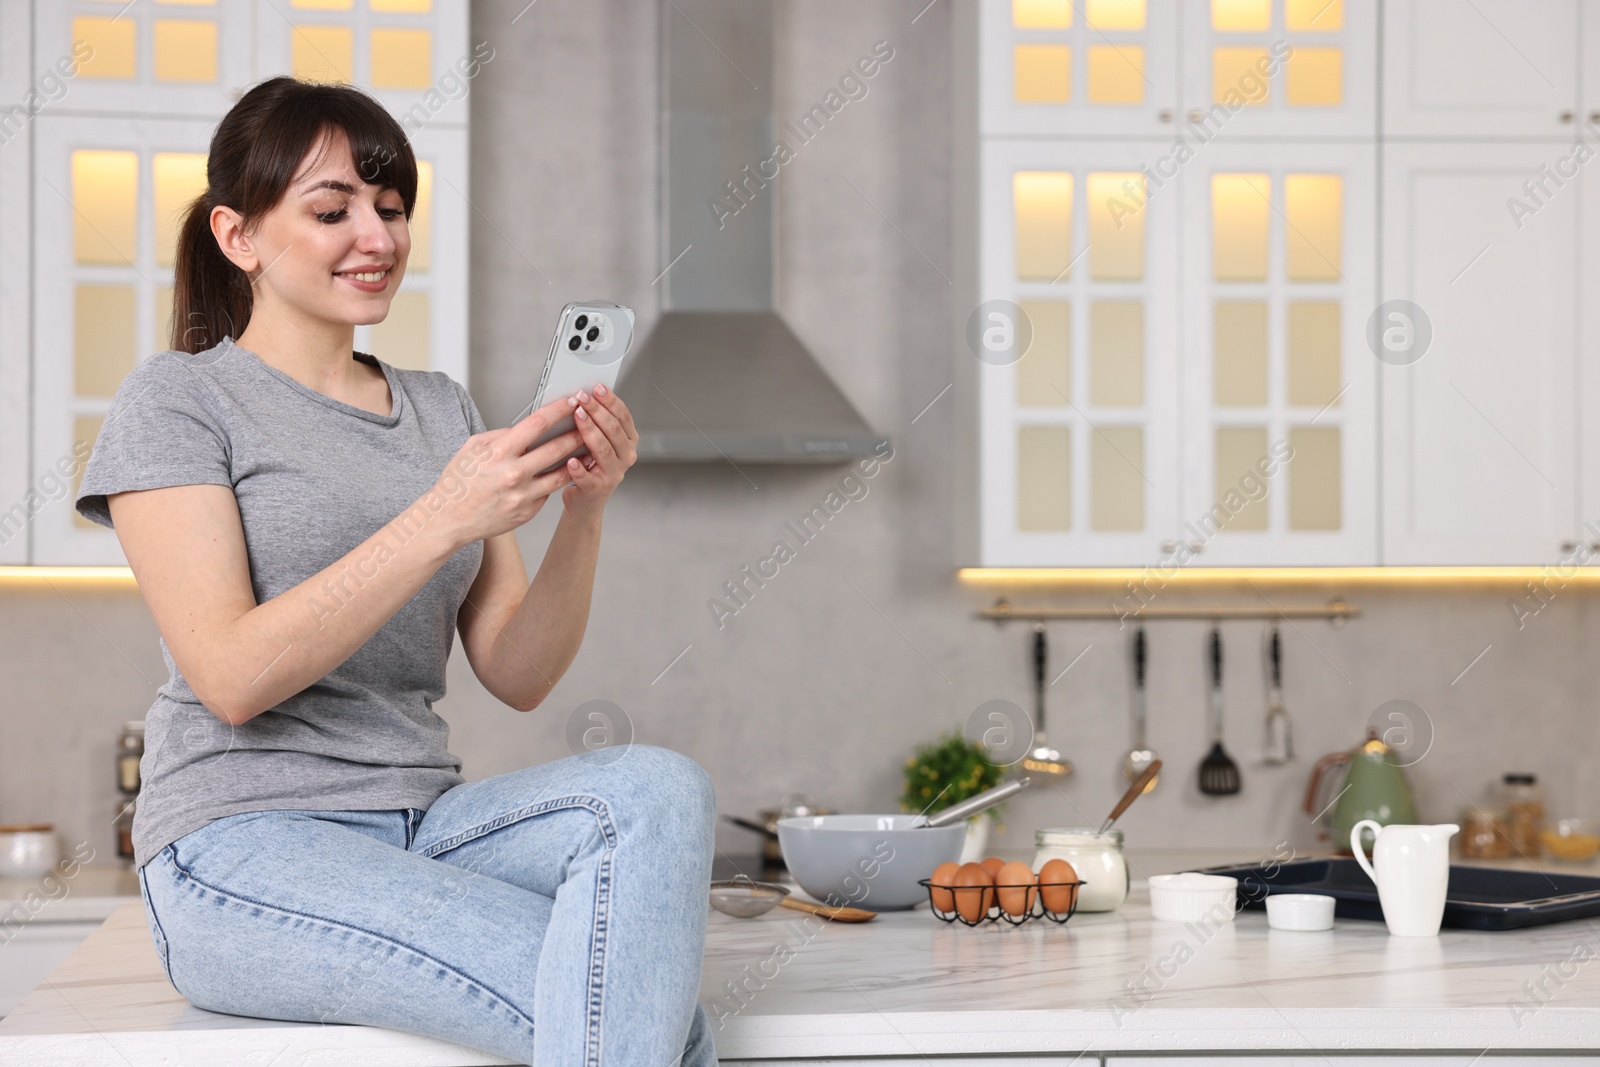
1411 868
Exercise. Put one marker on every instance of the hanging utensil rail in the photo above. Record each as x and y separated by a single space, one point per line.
1334 610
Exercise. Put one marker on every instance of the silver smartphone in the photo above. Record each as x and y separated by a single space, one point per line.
590 340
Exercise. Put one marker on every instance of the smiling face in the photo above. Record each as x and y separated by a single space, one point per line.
332 250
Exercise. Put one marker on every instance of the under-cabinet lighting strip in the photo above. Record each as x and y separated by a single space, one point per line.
1554 575
21 575
1337 610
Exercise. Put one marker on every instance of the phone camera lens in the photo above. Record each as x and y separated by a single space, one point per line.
573 344
594 332
580 322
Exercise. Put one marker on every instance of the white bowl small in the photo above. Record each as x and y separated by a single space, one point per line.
1191 896
1300 911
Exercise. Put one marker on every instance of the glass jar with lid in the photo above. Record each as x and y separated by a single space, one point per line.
1523 801
1095 856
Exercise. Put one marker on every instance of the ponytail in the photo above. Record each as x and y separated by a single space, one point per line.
210 295
255 152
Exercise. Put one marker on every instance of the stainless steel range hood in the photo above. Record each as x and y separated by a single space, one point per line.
722 377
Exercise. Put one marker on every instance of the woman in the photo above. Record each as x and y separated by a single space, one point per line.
309 526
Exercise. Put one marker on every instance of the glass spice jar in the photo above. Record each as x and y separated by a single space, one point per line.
1524 804
130 750
1483 834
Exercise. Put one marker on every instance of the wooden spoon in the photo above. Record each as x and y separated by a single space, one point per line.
1135 791
844 915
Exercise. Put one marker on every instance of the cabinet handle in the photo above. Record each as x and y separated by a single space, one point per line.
1165 114
1594 546
1569 547
1566 116
1169 547
1196 115
1197 547
1594 116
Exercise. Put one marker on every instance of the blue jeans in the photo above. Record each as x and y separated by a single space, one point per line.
552 915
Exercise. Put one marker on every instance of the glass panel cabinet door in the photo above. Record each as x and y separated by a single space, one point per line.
1072 67
411 54
1479 385
1278 384
1481 68
176 57
1290 68
111 189
1078 441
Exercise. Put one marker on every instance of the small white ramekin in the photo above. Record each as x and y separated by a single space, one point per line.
1299 911
1191 897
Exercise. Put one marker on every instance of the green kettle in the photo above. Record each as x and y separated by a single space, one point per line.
1373 786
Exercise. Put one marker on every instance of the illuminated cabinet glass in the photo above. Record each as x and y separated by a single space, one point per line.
121 154
1197 386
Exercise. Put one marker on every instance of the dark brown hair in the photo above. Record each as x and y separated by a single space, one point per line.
255 152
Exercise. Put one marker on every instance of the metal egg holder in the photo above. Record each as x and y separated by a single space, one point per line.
994 911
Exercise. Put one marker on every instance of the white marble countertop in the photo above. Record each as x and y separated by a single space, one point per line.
907 984
91 892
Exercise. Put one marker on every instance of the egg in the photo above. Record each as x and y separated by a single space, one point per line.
1057 898
1016 902
993 865
974 891
944 875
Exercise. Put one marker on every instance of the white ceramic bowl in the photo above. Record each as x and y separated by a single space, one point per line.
867 861
28 853
1300 911
1190 897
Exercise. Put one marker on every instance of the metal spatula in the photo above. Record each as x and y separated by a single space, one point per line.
1279 747
1219 775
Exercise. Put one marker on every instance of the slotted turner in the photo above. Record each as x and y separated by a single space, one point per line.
1219 775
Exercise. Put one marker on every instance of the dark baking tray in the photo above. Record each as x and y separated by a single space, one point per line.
1478 898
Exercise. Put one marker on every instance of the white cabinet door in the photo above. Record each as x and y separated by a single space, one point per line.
1070 68
1281 68
21 491
1078 437
1279 414
1589 357
32 952
1479 438
1480 68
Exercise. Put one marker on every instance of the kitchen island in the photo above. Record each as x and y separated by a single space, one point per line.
1117 987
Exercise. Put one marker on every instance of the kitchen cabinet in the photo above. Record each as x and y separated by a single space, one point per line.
1480 446
32 952
112 159
1472 446
1483 69
1196 305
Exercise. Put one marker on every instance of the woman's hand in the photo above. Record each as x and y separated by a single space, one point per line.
493 485
607 428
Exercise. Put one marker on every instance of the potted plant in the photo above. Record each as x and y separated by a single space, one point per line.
948 770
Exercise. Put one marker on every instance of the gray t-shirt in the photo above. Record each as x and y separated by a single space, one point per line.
314 478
